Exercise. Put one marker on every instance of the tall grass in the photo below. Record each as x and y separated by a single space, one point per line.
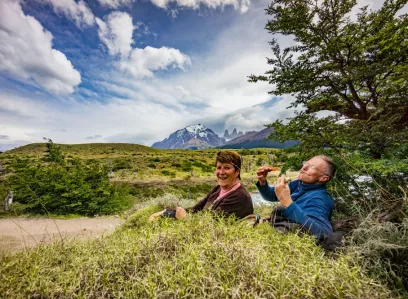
382 251
198 257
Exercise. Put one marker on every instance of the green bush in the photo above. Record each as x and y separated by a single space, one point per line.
121 164
168 173
69 188
204 167
53 152
187 166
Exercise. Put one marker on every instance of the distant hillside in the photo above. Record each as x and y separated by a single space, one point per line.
94 148
257 139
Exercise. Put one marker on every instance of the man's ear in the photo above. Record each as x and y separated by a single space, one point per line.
324 179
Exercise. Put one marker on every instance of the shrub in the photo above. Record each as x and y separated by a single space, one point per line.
53 152
121 164
72 188
204 167
168 173
187 166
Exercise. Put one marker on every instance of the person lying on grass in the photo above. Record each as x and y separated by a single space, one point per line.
304 201
229 197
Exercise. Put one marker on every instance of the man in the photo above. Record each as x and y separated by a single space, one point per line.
306 200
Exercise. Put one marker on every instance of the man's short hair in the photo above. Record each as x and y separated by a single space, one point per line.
230 157
331 167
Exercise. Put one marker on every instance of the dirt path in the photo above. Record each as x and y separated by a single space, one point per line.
19 233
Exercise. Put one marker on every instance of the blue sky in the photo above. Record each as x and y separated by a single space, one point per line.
132 70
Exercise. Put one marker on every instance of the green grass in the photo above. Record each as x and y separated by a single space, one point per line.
84 149
198 257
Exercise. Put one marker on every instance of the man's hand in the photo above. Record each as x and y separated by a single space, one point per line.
282 191
262 172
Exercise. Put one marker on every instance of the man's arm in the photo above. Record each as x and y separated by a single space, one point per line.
318 207
267 192
309 219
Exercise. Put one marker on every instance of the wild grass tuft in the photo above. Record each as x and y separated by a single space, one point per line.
199 256
382 251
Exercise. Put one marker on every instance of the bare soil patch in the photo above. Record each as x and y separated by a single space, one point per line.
19 233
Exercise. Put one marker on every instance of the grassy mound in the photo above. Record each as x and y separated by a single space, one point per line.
197 257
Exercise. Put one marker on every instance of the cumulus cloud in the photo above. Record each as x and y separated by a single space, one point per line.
242 5
142 62
115 3
26 52
116 33
78 12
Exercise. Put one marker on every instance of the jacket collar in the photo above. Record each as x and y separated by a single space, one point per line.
308 187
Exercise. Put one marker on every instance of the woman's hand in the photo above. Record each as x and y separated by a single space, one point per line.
180 213
282 191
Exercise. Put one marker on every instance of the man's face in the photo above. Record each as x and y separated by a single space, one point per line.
314 172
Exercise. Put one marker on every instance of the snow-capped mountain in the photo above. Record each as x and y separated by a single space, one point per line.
191 137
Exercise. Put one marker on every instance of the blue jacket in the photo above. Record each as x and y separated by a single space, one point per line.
312 206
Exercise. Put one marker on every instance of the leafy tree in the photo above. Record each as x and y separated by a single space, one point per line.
53 152
357 69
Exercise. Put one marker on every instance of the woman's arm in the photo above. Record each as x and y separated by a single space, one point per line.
201 204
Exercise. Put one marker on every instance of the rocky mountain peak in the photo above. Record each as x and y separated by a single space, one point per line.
193 136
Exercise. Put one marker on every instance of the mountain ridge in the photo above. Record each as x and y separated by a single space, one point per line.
201 137
191 137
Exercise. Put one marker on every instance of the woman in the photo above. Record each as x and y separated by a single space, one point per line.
229 197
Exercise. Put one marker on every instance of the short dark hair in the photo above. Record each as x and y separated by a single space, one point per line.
230 157
331 167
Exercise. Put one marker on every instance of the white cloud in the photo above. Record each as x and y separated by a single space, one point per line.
79 12
142 62
116 33
74 121
115 3
26 52
242 5
214 92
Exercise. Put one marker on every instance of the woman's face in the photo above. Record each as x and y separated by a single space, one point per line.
226 174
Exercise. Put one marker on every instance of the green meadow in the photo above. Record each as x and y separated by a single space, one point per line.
197 257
